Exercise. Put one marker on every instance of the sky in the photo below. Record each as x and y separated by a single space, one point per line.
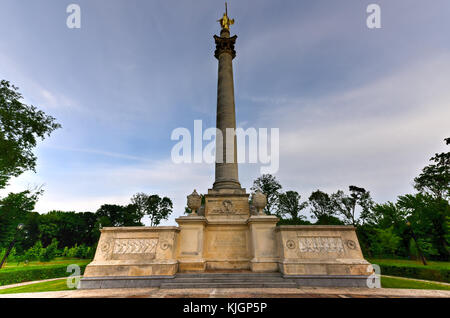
354 106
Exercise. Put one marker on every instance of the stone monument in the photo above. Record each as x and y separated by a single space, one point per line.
223 237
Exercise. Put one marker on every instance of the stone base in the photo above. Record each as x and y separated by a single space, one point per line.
329 280
225 280
123 282
321 250
192 266
228 250
135 251
96 269
326 267
263 266
228 265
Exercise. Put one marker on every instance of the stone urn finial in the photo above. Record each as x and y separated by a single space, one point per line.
259 201
194 201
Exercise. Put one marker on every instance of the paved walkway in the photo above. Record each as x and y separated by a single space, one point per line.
29 283
304 292
418 280
237 293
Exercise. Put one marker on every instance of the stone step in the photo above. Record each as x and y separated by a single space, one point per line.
229 275
189 280
177 285
222 281
229 280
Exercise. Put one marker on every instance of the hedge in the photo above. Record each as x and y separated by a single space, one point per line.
28 274
419 272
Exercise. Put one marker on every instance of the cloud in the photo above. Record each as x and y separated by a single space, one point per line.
100 152
353 106
89 188
378 135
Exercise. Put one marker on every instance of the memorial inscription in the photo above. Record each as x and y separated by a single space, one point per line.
237 240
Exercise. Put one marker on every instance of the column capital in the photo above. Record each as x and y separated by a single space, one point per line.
225 45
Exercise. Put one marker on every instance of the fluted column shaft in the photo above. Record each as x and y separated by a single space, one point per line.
226 176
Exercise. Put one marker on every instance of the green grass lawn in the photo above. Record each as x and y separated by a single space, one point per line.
433 271
56 285
11 266
411 263
14 273
397 282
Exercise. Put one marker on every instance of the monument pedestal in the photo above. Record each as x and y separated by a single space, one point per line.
264 247
241 249
135 251
190 249
320 250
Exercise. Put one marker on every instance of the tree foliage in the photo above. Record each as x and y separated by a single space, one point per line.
346 205
270 186
427 216
321 205
13 210
154 206
385 242
290 205
20 127
119 215
435 178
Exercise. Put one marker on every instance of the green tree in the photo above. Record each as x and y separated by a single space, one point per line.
428 219
13 210
118 215
270 186
49 253
322 208
20 127
290 205
385 242
154 206
34 252
31 229
435 178
385 215
346 204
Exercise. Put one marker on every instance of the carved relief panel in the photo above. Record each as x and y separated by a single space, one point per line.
129 248
217 206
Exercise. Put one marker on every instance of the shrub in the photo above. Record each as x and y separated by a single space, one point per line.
34 273
34 252
49 253
71 252
297 221
418 271
65 251
82 251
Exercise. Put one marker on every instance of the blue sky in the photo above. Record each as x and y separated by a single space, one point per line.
354 105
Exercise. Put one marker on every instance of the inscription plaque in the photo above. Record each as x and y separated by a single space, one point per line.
226 240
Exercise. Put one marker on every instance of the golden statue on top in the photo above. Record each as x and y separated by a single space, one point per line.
225 22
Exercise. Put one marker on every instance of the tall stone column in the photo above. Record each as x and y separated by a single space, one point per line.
226 174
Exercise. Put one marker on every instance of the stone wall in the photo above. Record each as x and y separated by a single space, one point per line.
320 250
255 244
135 251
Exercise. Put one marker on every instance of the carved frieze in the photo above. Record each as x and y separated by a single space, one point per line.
112 248
135 246
226 207
320 244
